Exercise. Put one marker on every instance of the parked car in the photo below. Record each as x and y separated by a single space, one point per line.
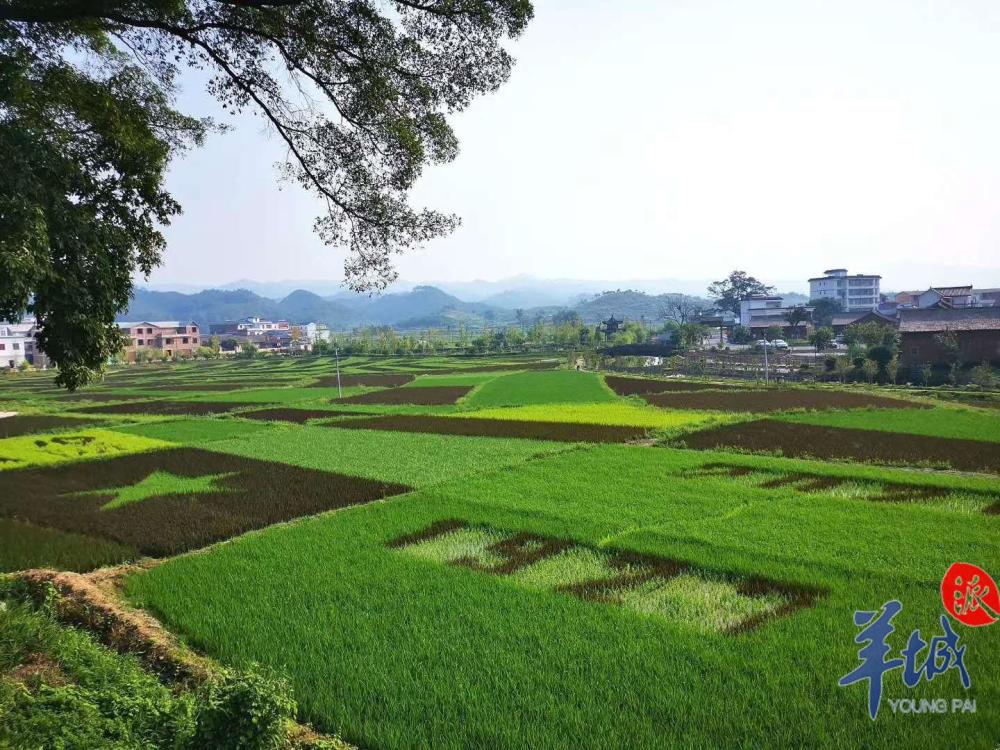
759 344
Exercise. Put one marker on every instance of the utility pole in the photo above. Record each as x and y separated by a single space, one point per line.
766 342
336 353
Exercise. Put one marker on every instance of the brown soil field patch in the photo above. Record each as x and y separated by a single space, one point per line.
814 441
171 408
371 380
777 400
245 494
431 396
624 386
630 571
27 424
299 416
568 432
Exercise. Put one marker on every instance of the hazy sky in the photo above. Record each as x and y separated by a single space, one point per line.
676 138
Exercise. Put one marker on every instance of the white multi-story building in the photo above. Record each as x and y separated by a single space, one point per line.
855 293
17 343
760 305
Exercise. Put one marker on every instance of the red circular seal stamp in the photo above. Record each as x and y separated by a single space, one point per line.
970 595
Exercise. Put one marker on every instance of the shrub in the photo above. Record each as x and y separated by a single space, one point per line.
881 355
983 376
740 335
244 711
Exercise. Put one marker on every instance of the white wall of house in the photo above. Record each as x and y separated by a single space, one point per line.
749 307
17 341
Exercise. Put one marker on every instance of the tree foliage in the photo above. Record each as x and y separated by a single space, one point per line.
796 317
358 92
824 309
736 287
821 338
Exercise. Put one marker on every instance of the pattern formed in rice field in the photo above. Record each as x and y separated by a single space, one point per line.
646 584
568 432
813 441
777 400
802 481
643 386
168 501
430 396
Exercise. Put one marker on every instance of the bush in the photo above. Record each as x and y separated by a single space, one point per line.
881 355
983 376
740 335
244 711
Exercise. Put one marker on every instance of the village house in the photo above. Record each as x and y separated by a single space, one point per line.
949 296
922 332
17 344
842 321
169 338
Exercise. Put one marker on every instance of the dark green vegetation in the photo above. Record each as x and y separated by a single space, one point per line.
24 546
563 431
642 386
371 380
299 416
27 424
778 400
60 688
814 441
88 128
164 407
165 502
540 592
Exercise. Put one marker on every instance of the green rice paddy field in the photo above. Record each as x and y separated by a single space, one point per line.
514 589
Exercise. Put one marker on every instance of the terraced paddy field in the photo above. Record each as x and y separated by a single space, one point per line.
541 559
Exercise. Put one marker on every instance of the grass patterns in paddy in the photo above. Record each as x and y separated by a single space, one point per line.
844 485
430 396
815 441
369 380
39 450
570 432
414 459
28 424
777 400
647 584
624 386
504 662
167 408
168 501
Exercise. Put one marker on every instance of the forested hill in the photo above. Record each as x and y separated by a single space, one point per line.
423 306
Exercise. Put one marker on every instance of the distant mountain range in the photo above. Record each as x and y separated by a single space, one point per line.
419 307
